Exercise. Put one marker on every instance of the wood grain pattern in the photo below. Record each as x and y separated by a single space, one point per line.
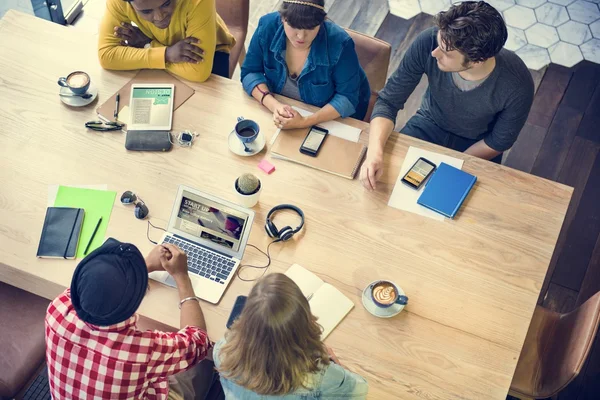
472 281
583 233
549 95
575 173
524 152
557 141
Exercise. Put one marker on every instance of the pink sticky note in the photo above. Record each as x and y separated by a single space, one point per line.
266 166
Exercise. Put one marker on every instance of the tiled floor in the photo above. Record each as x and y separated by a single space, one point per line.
564 32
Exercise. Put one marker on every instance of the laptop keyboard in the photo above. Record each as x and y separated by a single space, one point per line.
203 262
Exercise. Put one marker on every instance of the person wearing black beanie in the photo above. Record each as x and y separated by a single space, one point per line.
94 348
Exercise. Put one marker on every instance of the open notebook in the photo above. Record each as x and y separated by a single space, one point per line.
327 303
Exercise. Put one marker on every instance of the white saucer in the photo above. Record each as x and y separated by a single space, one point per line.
78 101
236 146
377 311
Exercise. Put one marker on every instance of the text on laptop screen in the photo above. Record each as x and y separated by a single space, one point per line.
208 220
151 106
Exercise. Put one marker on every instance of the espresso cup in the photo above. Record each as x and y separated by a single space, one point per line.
78 82
247 131
385 294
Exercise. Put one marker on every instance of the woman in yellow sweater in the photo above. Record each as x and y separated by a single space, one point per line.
185 37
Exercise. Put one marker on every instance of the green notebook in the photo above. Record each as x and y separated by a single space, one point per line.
96 203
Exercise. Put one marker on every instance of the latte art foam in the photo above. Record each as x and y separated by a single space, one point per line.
77 80
384 293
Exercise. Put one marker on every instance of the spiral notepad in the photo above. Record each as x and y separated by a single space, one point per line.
337 156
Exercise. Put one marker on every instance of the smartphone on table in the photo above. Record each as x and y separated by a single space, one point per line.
418 173
313 141
240 302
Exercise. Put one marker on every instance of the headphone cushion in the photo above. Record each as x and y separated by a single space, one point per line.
286 233
271 229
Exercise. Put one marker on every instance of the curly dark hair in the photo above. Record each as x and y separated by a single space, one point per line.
302 16
474 28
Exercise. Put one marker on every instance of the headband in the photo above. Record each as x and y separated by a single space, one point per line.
304 3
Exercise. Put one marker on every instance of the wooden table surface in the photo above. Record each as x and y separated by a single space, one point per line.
473 282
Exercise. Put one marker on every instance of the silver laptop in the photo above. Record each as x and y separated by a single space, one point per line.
213 233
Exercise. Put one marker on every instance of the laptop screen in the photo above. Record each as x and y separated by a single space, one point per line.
209 220
151 106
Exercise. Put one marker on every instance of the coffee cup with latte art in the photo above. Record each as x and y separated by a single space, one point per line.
78 82
385 294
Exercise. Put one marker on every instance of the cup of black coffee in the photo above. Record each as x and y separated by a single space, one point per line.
385 294
78 82
247 131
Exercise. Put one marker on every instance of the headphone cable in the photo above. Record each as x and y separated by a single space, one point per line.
263 267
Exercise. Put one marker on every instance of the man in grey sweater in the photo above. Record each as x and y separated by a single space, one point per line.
479 94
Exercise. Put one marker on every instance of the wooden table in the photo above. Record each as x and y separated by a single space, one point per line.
473 282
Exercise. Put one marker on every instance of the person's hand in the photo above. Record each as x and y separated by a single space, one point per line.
332 355
153 259
296 121
371 170
186 50
174 261
131 35
281 114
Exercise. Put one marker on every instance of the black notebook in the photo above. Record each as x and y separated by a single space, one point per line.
60 233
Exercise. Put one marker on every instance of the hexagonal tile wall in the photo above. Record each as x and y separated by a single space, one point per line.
405 8
552 14
539 31
516 39
574 32
535 57
542 35
591 50
565 54
584 11
519 17
595 28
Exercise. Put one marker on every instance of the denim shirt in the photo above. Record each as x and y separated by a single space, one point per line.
331 382
331 74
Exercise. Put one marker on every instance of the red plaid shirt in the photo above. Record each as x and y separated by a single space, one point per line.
114 362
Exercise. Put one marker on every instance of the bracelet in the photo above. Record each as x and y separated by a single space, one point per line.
188 298
264 94
262 100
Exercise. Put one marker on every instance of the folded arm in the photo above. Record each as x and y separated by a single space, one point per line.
200 37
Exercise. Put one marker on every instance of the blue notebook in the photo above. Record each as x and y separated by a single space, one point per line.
446 190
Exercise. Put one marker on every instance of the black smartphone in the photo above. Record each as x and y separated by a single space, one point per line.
313 141
238 306
418 173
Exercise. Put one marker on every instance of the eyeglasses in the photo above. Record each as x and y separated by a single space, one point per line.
100 126
141 211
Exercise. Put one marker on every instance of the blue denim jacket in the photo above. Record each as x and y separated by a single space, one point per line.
332 382
331 74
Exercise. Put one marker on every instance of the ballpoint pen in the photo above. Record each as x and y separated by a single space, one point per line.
93 235
116 115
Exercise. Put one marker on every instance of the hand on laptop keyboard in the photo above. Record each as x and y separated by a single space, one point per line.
174 260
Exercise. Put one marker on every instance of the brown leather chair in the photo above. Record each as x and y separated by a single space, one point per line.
555 349
235 14
22 345
374 57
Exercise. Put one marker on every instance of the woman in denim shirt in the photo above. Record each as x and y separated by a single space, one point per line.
296 53
274 350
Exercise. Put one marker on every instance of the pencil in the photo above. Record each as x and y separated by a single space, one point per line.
92 238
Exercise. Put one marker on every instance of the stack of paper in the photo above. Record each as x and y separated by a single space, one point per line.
404 197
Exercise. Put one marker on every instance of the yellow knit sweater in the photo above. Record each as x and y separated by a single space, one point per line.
196 18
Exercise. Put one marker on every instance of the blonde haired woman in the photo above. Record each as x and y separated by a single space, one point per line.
274 350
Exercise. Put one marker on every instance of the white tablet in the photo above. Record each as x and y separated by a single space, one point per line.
151 107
